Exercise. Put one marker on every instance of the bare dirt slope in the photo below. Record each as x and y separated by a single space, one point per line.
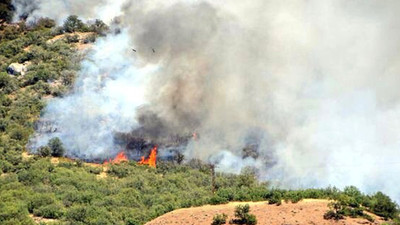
303 212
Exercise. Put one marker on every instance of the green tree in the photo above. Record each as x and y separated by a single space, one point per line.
383 206
45 23
99 27
73 24
56 146
6 10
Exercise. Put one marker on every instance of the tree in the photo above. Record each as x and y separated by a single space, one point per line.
383 206
45 23
73 24
179 157
56 146
6 10
99 27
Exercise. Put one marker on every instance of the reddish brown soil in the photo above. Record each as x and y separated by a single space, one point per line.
303 212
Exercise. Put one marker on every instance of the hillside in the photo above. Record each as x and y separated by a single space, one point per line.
308 211
47 188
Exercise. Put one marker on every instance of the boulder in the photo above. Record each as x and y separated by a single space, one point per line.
17 68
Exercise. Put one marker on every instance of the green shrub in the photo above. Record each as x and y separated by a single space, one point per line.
215 200
38 200
7 83
242 215
5 166
77 213
251 219
44 151
368 217
72 38
14 213
219 219
52 211
276 198
335 212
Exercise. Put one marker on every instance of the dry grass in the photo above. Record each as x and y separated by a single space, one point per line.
308 211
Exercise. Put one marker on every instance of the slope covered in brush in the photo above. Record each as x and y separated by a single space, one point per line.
73 192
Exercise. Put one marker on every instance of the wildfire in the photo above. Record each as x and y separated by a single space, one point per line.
151 161
121 157
195 136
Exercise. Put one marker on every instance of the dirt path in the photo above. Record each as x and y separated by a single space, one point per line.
304 212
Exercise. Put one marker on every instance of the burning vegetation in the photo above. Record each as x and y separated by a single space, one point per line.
121 157
151 161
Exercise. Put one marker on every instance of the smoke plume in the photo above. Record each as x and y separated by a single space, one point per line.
310 86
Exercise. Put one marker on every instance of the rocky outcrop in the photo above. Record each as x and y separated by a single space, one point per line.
17 68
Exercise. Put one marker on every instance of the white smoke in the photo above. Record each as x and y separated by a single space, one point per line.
316 80
103 101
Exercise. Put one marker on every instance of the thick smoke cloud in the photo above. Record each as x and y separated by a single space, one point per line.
311 84
61 9
102 102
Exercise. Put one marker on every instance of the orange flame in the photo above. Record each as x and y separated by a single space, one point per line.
121 157
195 136
151 161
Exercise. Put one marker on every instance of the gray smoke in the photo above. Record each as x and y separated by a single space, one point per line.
311 84
61 9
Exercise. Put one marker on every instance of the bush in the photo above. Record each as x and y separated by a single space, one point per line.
89 39
44 151
251 219
38 200
242 215
72 38
5 166
7 83
219 219
276 198
335 212
45 23
242 210
368 217
52 211
216 200
77 214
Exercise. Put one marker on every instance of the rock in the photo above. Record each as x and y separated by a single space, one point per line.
17 68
